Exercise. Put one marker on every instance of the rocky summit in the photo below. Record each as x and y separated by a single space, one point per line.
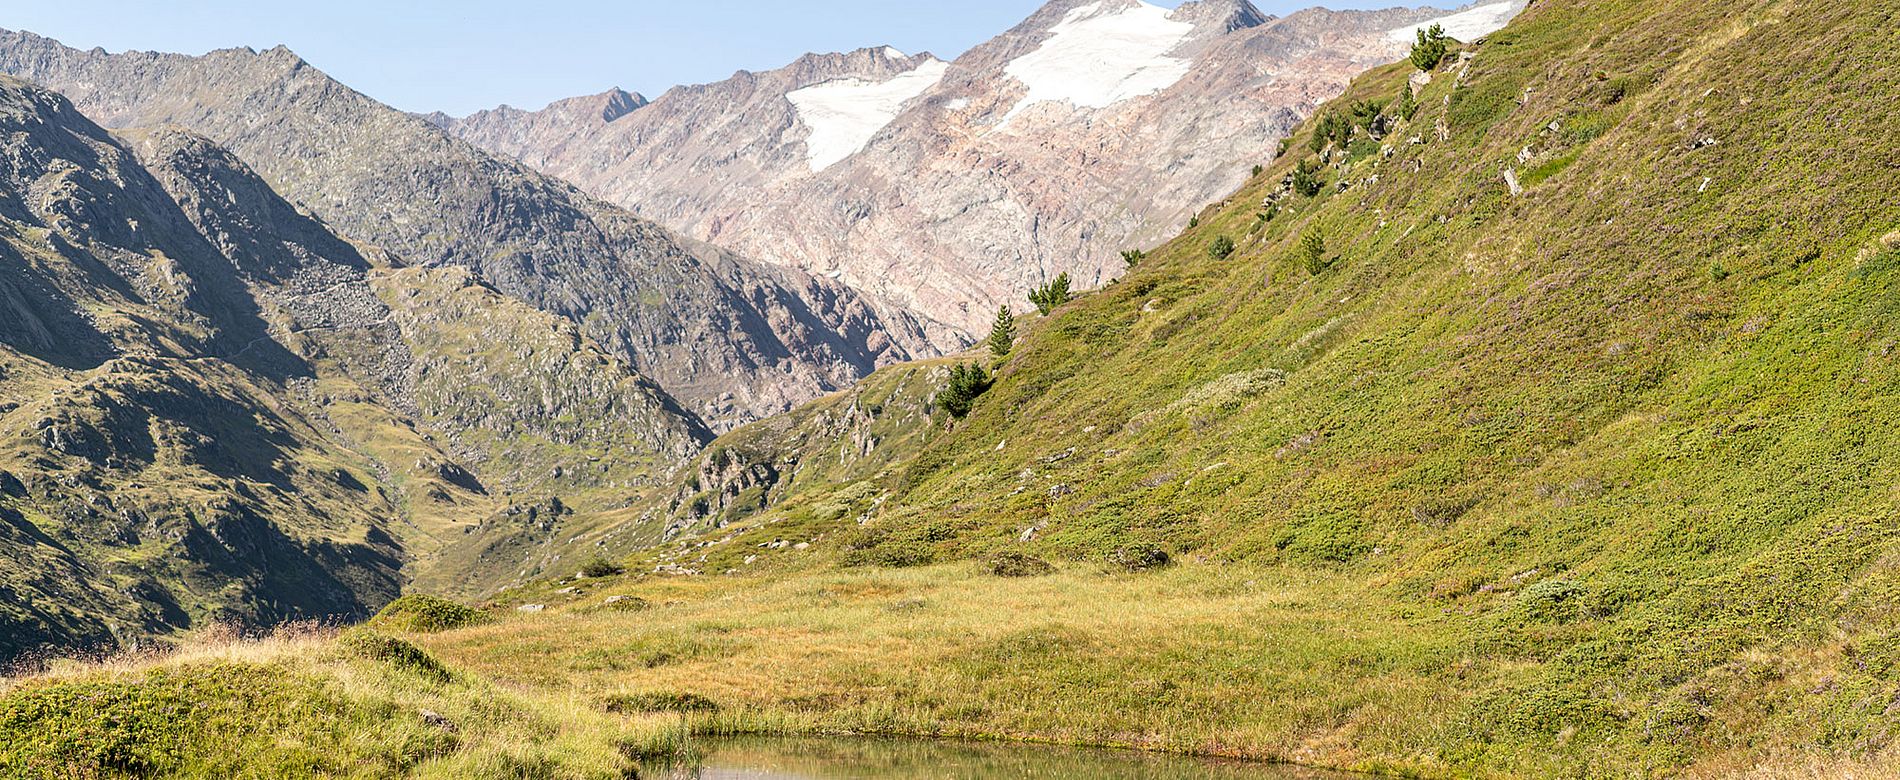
948 188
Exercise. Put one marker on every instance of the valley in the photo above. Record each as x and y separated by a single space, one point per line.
1515 407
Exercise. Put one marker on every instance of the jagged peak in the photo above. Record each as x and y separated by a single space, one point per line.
614 103
1224 15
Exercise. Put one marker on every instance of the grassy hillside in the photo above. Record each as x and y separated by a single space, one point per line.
1582 476
1602 458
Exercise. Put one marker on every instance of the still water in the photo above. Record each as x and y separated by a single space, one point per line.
911 759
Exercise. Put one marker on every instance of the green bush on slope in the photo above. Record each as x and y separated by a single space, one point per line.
423 613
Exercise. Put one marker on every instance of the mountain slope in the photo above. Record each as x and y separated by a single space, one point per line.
733 339
1553 443
1544 437
214 409
952 188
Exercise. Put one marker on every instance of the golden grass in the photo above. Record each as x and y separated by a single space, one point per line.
1193 659
353 714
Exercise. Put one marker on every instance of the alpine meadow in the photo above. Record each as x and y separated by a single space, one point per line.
1501 391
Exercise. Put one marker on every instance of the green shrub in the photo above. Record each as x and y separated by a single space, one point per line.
396 653
1551 601
1052 294
1408 104
658 701
1139 557
600 566
967 381
419 613
1430 49
1015 564
877 545
1366 112
1257 169
1220 248
1002 332
1133 257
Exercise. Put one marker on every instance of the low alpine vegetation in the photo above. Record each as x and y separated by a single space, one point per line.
419 613
1016 564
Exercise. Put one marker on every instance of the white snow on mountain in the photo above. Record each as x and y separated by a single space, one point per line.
1467 25
845 114
1095 57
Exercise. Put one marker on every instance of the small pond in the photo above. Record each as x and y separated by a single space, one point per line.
766 758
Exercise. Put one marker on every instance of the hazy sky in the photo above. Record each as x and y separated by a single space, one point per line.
462 55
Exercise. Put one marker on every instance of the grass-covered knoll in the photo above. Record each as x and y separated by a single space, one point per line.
365 705
423 613
1604 459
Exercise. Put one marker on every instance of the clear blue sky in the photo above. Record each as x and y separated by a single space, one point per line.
462 55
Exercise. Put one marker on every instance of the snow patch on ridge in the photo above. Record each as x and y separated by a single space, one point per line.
1467 25
845 114
1095 58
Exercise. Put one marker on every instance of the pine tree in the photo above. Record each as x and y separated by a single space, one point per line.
1306 180
1133 257
1313 252
1221 248
1430 48
967 381
1051 295
1003 333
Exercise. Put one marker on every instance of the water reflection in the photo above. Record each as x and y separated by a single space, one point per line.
914 759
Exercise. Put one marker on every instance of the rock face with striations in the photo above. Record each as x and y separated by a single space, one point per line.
733 339
948 188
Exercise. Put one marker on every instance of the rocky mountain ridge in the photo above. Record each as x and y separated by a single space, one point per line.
214 409
950 188
733 339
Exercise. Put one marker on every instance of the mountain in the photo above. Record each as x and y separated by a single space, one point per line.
1530 421
214 409
732 339
952 188
1530 417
